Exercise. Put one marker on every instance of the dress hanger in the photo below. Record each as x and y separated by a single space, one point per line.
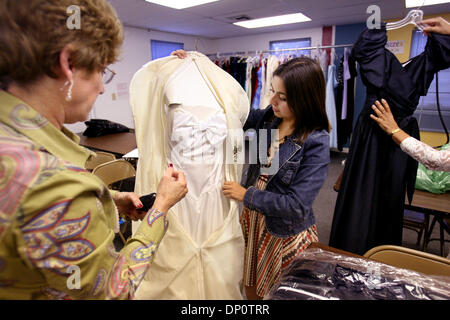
414 17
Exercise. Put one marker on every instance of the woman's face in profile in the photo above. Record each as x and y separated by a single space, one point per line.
278 100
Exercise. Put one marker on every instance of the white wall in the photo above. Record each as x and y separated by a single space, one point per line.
114 104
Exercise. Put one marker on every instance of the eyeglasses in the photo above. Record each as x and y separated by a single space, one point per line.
108 75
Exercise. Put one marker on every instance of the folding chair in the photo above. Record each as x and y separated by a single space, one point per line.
411 259
101 157
113 171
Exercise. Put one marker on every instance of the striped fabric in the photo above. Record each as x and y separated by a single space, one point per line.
267 256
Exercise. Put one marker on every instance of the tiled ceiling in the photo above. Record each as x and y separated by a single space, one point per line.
214 20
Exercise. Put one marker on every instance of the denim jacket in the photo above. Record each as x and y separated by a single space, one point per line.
287 201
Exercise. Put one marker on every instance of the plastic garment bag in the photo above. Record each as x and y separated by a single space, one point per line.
322 275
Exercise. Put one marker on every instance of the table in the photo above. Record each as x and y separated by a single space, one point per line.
424 200
117 143
429 203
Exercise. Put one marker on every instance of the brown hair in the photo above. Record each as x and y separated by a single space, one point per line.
305 94
33 33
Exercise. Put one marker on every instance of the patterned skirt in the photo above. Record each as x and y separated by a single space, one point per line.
267 256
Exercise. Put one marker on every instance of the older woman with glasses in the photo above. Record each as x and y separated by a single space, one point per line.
57 220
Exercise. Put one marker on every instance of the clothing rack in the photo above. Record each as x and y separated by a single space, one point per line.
219 54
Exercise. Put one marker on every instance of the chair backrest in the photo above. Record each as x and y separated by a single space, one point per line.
411 259
101 157
114 171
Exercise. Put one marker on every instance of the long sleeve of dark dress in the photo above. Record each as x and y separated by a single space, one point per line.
377 174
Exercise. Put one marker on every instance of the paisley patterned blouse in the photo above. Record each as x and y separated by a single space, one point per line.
57 220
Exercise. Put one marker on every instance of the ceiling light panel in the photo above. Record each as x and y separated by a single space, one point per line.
180 4
419 3
273 21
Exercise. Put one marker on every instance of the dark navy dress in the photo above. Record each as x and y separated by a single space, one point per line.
377 174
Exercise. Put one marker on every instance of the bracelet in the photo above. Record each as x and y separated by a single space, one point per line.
394 131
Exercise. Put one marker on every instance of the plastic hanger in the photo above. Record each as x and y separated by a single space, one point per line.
414 17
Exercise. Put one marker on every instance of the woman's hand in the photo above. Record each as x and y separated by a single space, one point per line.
179 53
437 25
233 190
384 116
171 189
128 204
386 121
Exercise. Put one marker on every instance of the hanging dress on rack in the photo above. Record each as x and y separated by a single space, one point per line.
201 255
263 83
248 80
257 92
377 174
338 100
345 98
272 65
331 105
324 62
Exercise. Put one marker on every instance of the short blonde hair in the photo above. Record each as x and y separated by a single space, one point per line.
34 32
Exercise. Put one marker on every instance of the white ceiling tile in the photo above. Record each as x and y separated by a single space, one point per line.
213 21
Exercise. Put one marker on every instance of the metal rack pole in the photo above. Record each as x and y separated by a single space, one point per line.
278 50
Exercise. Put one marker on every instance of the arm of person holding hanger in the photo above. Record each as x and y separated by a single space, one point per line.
432 159
437 25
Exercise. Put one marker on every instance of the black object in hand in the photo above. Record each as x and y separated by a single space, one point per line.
147 201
